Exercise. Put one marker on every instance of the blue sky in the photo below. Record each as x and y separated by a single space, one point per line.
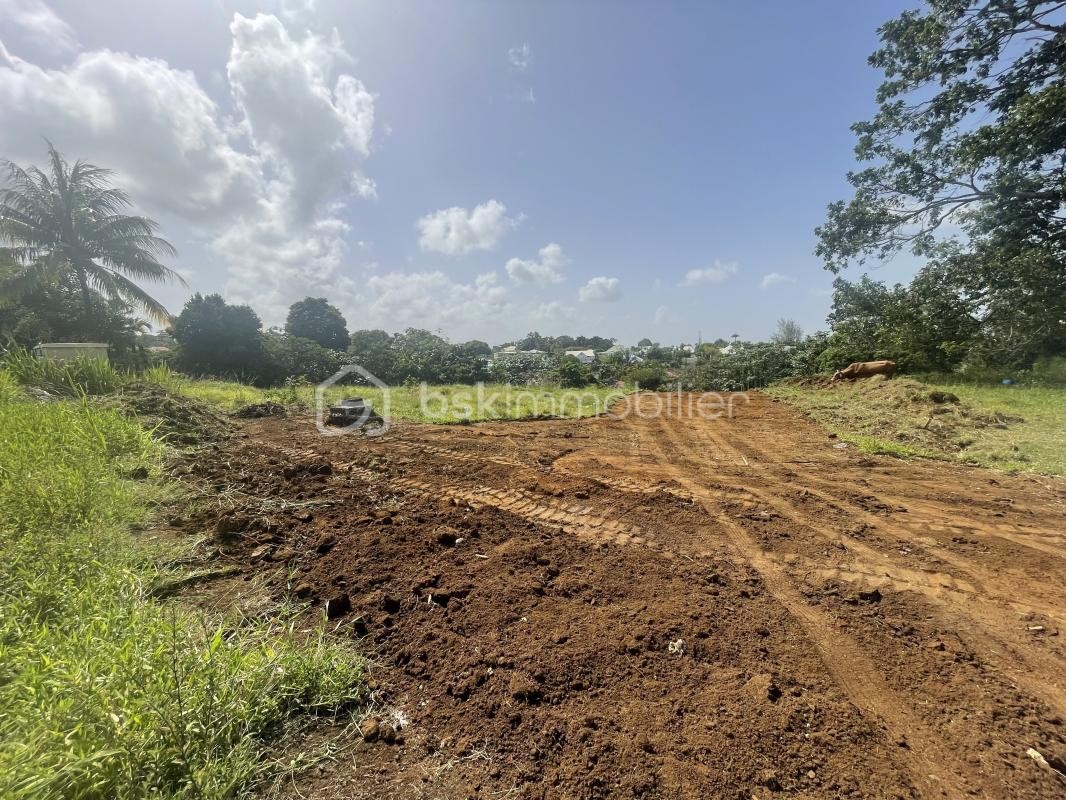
483 169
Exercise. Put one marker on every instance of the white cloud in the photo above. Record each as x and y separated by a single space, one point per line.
364 186
297 10
541 272
273 262
600 289
151 123
554 311
714 274
455 231
520 57
432 300
775 279
266 189
44 27
309 132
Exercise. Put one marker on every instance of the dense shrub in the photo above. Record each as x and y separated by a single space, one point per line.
292 357
650 376
573 374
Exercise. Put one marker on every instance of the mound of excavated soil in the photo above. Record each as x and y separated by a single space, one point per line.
901 410
665 606
261 410
179 420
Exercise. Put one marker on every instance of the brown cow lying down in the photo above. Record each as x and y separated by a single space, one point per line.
866 369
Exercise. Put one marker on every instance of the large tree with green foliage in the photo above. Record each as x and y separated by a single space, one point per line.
315 319
969 140
922 327
69 225
216 338
971 118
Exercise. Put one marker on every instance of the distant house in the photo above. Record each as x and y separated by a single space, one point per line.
512 353
620 352
584 356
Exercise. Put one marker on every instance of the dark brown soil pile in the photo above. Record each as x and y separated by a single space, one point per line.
178 420
261 410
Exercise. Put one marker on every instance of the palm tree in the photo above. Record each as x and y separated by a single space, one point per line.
68 225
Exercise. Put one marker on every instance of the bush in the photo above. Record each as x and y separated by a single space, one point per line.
1047 371
524 371
750 366
291 357
573 374
650 377
82 375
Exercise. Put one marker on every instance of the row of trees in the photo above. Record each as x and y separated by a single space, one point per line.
219 339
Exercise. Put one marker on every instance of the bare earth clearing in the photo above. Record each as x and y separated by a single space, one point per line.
673 607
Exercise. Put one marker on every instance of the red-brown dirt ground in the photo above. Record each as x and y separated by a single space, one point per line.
662 606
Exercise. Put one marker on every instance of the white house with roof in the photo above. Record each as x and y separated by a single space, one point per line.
511 352
584 356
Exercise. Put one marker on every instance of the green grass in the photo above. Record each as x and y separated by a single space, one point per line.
1011 428
439 403
1037 442
80 376
447 404
105 693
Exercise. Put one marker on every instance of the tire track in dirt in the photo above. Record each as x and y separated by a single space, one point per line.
851 668
574 519
577 519
987 621
992 622
931 514
931 582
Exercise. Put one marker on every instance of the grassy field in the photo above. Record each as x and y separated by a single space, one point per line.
1039 438
104 692
1011 428
438 403
447 404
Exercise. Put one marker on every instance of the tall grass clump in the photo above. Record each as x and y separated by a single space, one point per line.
9 388
104 692
79 376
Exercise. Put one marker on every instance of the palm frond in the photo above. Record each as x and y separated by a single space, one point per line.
29 279
140 299
68 224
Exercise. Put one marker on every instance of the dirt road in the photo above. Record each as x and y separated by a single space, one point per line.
668 606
